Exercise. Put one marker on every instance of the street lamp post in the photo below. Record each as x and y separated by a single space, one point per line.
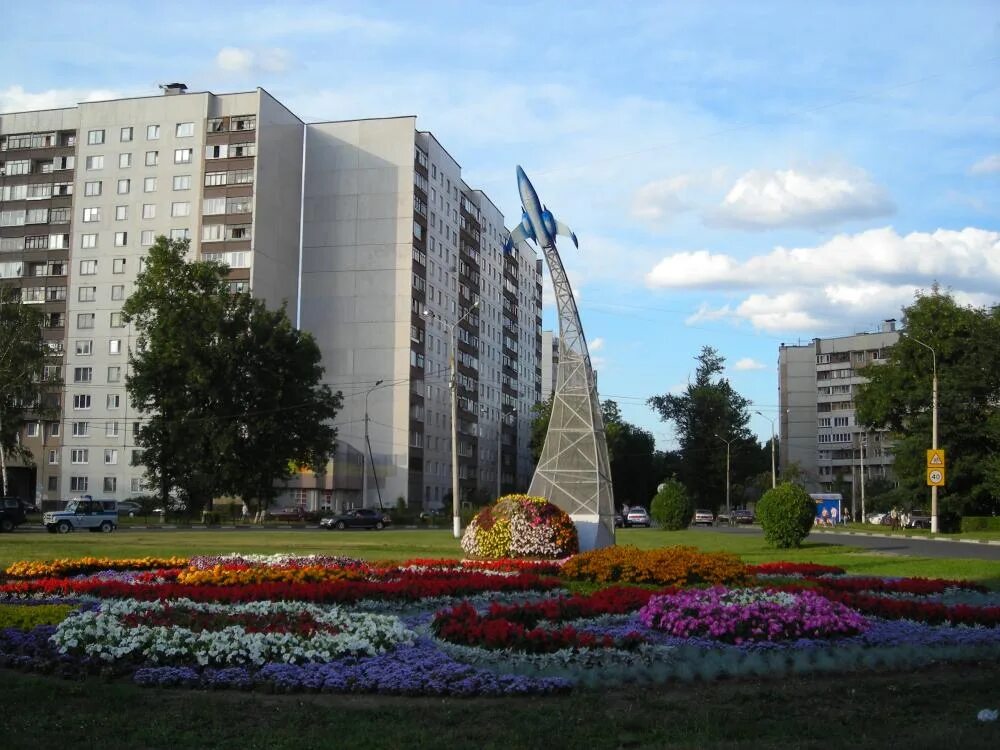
729 510
774 475
453 384
368 449
934 426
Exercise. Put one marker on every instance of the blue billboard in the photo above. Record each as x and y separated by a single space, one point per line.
828 508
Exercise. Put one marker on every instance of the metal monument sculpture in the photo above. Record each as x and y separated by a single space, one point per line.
573 471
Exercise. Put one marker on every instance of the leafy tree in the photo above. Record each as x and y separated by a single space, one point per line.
231 390
710 407
897 396
23 386
672 509
786 514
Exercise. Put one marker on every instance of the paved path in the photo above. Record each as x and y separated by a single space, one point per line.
893 545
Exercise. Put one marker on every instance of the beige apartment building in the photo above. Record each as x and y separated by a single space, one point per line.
358 226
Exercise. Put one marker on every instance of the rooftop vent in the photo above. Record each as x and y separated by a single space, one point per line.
889 325
173 89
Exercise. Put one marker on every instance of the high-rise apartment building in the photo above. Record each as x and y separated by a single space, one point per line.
550 363
364 228
817 384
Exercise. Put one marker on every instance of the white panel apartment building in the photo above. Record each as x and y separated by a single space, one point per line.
817 385
387 229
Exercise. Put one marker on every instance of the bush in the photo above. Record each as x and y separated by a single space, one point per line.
979 523
672 508
521 526
786 513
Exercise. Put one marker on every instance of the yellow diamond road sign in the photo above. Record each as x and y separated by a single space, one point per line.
935 458
935 477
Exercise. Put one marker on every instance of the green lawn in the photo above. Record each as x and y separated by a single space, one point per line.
399 544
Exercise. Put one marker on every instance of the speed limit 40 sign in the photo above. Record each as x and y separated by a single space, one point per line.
935 477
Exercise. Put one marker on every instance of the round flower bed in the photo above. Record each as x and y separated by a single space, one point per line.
740 615
521 526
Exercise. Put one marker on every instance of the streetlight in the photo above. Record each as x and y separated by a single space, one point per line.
934 426
368 447
774 476
453 384
727 442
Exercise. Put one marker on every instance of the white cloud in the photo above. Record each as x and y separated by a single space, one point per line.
850 281
748 363
987 165
789 198
16 99
596 345
661 200
242 60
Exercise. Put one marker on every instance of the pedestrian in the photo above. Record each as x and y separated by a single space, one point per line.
893 518
246 512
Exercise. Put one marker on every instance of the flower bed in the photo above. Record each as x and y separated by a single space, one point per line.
673 566
448 627
794 569
521 526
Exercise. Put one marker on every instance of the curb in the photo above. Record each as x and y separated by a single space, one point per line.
911 538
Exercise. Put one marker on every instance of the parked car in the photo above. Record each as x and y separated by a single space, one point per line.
877 518
83 513
359 518
637 516
703 516
427 515
129 508
741 515
13 512
918 519
175 506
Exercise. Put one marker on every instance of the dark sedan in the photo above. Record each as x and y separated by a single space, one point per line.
741 515
359 518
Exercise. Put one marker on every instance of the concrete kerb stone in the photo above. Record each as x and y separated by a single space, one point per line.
918 538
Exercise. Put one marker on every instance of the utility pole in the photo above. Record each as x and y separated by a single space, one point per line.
364 464
729 510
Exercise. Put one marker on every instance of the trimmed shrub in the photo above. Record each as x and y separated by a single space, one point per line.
521 526
979 523
672 508
28 616
786 513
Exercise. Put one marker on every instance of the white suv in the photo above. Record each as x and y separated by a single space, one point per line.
83 513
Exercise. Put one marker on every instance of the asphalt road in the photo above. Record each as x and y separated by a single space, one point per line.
891 545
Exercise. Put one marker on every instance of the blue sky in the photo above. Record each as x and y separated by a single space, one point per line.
739 174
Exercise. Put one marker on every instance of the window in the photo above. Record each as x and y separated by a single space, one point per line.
111 429
79 455
183 155
180 234
152 132
88 241
149 185
114 401
121 213
110 456
213 232
121 239
81 401
237 150
125 135
83 374
118 292
152 158
110 484
21 166
92 188
115 346
114 374
84 347
78 484
215 179
124 186
31 429
238 205
92 214
95 162
84 320
81 429
116 320
118 265
184 130
217 151
87 293
180 208
146 238
214 206
53 460
182 182
243 122
95 137
124 161
149 210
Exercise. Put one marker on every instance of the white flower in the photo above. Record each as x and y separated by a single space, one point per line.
988 714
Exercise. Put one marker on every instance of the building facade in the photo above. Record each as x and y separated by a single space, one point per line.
364 229
820 434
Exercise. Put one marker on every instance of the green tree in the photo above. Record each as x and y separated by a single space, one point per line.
24 387
708 408
672 509
230 390
897 396
542 412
